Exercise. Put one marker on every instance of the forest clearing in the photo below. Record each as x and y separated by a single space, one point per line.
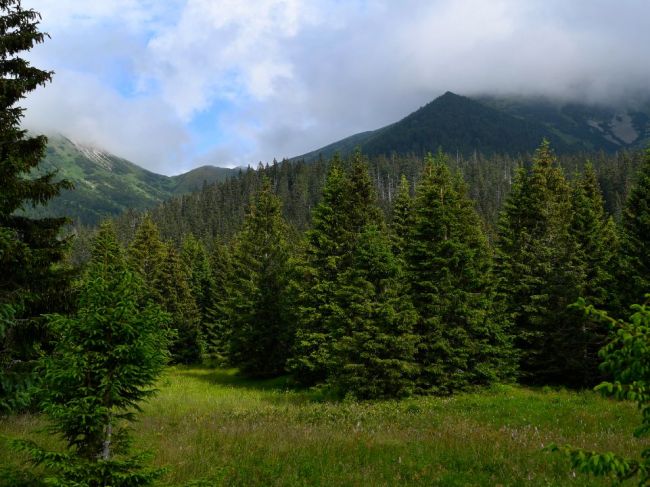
212 425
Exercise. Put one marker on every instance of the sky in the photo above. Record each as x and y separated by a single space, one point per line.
176 84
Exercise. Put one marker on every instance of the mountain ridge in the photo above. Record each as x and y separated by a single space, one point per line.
106 185
508 125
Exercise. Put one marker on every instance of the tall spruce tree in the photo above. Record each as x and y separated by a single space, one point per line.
595 234
461 340
31 280
107 358
539 273
196 260
146 255
322 263
176 298
373 355
401 217
347 207
635 239
260 332
362 207
217 325
168 282
596 244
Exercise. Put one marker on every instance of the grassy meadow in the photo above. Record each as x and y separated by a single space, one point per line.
212 425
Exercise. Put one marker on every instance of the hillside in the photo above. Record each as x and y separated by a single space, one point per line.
491 125
598 127
106 185
193 180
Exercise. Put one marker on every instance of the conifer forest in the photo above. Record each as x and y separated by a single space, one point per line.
399 310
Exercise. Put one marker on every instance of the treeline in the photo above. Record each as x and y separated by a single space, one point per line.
217 211
419 301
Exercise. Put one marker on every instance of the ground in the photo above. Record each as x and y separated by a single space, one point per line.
212 425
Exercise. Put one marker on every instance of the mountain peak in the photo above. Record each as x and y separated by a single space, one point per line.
449 95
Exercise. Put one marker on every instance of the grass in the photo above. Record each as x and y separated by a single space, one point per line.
210 424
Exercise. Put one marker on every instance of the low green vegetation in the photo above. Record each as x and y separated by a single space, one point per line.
212 424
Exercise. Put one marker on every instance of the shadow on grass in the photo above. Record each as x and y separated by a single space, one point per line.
282 388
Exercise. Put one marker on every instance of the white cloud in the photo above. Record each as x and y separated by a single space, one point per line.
281 77
79 107
225 49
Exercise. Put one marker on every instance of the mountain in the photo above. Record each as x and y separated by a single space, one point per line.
595 126
195 179
106 185
501 125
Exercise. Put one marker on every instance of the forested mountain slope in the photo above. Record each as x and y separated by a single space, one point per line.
106 185
502 125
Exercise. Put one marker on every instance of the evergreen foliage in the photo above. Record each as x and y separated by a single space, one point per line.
260 330
105 363
540 274
635 238
177 299
197 261
146 254
168 282
596 238
217 210
626 361
348 205
401 217
596 245
216 326
373 354
31 282
461 342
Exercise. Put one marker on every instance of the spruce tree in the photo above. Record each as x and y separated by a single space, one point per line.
31 281
196 260
322 263
107 358
217 325
373 355
595 235
146 255
168 281
361 204
176 298
260 332
635 239
347 207
539 273
461 341
595 244
401 217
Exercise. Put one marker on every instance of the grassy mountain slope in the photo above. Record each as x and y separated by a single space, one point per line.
501 125
106 185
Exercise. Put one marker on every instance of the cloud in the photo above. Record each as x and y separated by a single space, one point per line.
79 107
178 83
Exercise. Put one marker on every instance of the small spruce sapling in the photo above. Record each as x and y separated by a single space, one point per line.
105 363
